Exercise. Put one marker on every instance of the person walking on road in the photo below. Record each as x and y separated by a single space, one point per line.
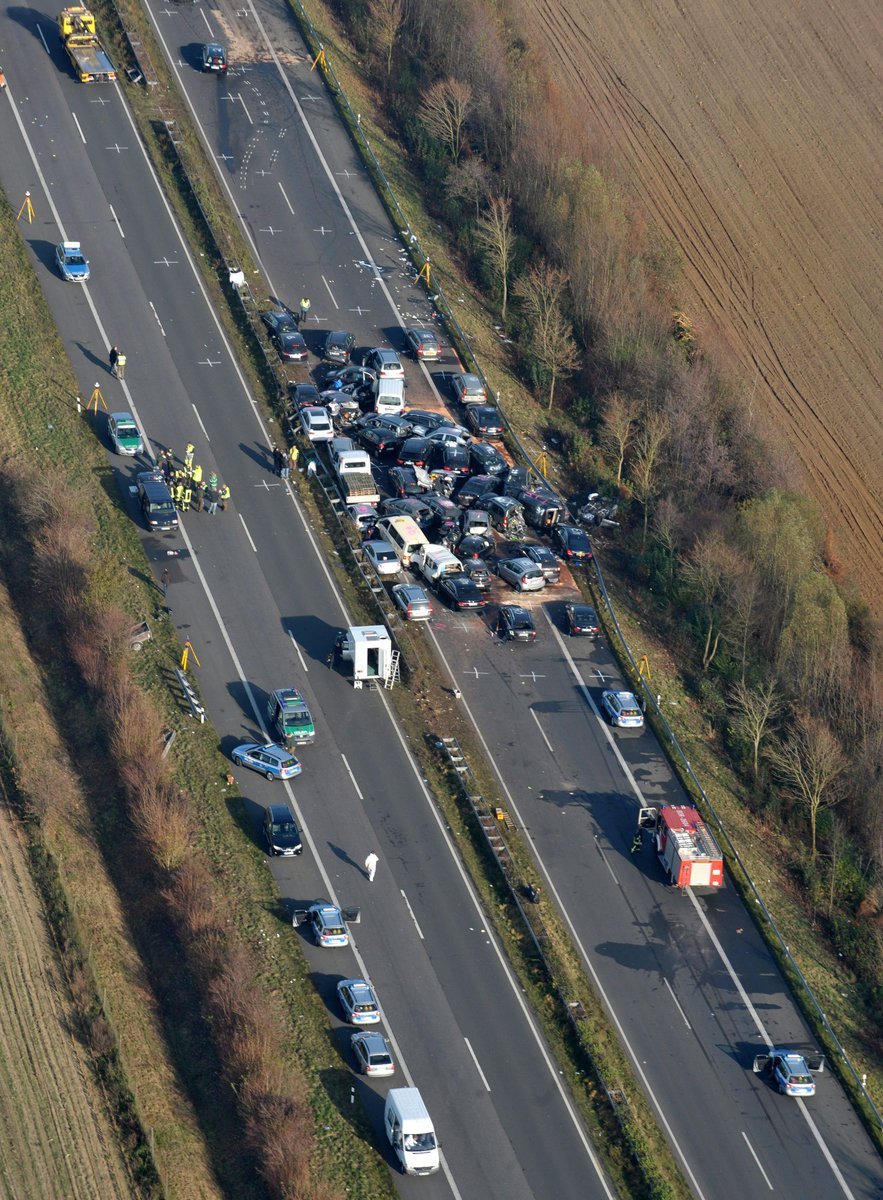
278 460
164 581
187 499
114 357
304 309
223 497
293 456
198 494
211 500
189 451
179 494
371 866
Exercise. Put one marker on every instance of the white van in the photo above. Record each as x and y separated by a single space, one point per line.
435 561
389 396
404 535
409 1129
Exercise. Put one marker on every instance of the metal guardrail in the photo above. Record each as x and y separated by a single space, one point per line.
419 259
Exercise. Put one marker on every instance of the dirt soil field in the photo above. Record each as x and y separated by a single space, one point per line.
753 132
56 1142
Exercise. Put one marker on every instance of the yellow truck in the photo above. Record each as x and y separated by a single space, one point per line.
76 28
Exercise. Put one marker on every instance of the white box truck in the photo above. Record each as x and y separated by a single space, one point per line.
410 1131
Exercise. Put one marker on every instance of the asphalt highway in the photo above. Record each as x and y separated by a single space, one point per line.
251 591
692 987
661 959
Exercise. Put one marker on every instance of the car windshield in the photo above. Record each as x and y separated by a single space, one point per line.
419 1142
296 720
124 429
75 260
285 828
162 506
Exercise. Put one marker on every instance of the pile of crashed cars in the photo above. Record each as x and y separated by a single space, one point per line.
459 489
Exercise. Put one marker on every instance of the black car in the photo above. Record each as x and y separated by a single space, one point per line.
338 346
283 333
392 422
303 395
378 441
281 831
484 420
572 543
409 506
582 620
476 489
422 343
156 501
214 57
486 460
460 592
477 570
413 452
475 546
542 556
427 421
403 481
452 460
447 515
517 480
516 624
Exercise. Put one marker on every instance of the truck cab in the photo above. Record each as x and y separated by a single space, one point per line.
290 717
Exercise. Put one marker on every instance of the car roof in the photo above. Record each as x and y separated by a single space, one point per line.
122 416
315 411
381 352
411 589
378 544
279 812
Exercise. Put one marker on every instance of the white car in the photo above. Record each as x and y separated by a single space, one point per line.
623 710
382 557
358 1002
316 424
384 363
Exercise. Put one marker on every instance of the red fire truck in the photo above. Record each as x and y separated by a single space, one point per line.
685 845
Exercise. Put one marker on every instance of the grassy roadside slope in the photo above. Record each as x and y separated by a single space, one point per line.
184 1109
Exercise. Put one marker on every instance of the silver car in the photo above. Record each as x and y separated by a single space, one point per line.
382 557
413 601
372 1053
524 575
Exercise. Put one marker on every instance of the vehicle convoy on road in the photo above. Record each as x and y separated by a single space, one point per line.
76 28
355 479
686 847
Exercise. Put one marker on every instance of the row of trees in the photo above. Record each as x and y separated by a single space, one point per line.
783 654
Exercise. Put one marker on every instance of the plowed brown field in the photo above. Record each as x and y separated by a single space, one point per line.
56 1142
753 134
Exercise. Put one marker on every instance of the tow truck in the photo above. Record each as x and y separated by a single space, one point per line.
76 28
790 1070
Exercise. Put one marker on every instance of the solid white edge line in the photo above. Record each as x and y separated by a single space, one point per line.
211 32
120 228
330 293
43 40
79 130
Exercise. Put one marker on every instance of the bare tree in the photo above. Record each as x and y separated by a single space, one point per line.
496 237
645 466
469 181
550 338
809 764
754 711
444 111
618 429
711 570
386 18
